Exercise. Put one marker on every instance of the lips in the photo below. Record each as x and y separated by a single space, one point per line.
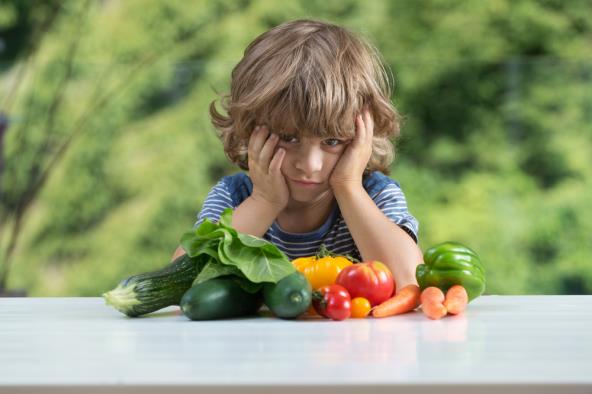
305 182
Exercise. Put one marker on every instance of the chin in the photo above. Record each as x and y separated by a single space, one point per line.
307 195
301 198
298 195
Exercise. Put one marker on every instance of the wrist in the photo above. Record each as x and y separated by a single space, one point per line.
345 189
269 205
253 217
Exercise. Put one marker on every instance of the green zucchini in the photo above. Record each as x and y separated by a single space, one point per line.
151 291
290 297
219 298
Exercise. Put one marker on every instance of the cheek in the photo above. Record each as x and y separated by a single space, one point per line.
287 161
332 159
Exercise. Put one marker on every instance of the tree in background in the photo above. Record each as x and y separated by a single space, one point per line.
68 104
22 30
494 154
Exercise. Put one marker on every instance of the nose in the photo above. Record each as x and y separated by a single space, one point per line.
309 160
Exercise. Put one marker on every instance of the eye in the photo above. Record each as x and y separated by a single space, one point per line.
288 138
332 142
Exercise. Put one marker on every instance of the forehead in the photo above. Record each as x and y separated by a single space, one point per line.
303 123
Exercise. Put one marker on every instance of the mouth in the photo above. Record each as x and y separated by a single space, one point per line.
305 183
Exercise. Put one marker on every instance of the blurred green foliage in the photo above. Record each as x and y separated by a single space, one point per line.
109 151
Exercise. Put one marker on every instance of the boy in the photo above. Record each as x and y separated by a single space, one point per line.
309 118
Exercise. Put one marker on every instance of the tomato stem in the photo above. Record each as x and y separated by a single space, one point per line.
324 252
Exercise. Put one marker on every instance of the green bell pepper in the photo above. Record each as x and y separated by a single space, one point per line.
451 263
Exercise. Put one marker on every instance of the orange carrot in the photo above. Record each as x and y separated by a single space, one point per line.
311 311
432 294
406 300
432 299
456 299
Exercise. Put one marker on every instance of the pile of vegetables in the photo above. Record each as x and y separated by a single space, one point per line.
226 274
452 275
223 274
342 290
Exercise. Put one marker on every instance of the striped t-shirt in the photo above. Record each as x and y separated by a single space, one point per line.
232 190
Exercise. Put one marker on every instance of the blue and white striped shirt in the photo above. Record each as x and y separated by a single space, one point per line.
232 190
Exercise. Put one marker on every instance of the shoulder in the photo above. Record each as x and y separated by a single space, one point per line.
236 180
238 186
376 182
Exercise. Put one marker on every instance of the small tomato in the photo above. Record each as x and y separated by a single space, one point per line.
332 301
360 307
371 280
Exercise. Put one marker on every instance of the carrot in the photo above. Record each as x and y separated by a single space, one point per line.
456 299
406 300
311 311
432 295
432 299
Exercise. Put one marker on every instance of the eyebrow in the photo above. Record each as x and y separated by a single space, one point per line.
296 134
290 135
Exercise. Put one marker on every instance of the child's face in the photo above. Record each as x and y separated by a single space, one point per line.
309 159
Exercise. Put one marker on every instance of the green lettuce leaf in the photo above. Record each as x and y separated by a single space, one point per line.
259 264
251 260
214 269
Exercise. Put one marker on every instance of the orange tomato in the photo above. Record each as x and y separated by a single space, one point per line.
321 271
360 307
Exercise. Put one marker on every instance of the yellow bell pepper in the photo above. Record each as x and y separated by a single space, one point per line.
322 269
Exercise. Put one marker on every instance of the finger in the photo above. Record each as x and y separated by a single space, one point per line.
252 138
360 131
364 133
369 123
257 140
276 163
267 150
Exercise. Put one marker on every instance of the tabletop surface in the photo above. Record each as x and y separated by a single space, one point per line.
499 340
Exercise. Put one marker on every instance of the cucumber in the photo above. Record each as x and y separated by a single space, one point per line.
290 297
219 298
151 291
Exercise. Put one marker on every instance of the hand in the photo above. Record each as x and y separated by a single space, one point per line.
269 184
351 165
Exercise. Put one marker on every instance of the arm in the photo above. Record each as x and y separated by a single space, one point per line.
376 236
178 252
253 217
270 193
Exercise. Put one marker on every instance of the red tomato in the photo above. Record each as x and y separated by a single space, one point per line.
371 280
332 301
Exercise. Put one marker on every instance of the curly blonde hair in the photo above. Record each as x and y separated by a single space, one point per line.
312 78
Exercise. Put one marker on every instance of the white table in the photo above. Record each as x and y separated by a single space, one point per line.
502 344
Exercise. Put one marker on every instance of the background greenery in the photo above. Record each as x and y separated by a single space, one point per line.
109 152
